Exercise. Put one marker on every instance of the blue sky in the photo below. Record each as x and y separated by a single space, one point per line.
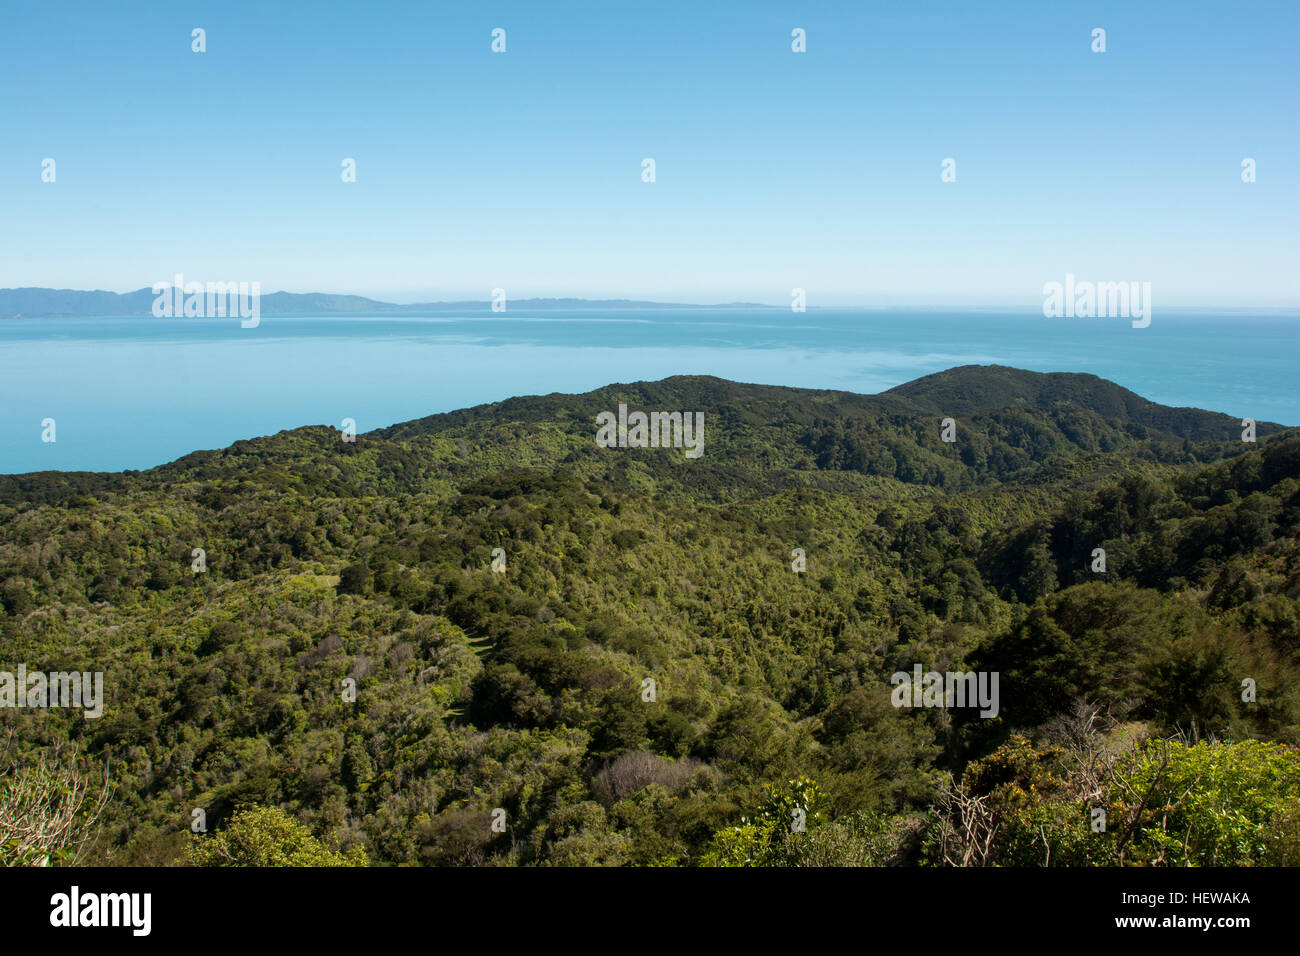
774 169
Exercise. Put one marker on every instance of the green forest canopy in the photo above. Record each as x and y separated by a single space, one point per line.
331 564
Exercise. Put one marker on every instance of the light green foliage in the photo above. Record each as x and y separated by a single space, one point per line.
1212 804
1166 803
266 836
792 807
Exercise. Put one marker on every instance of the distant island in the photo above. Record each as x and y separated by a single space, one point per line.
64 303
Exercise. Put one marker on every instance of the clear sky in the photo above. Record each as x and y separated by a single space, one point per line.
774 169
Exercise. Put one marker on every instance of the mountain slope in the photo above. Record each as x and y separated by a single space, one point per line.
972 389
1011 426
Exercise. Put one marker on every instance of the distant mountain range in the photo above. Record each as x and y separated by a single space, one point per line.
55 303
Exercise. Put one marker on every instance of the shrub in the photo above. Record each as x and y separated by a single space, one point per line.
266 836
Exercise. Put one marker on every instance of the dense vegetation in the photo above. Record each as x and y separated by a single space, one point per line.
648 681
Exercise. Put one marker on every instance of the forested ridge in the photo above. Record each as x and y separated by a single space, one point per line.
504 716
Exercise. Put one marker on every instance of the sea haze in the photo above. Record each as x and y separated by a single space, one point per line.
136 392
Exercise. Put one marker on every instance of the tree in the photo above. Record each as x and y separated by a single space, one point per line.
46 811
266 836
355 579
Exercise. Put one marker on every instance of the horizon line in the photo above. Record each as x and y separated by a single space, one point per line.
874 303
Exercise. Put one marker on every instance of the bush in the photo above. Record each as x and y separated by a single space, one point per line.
635 771
266 836
1166 803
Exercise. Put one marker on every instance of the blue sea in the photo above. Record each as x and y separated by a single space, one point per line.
136 392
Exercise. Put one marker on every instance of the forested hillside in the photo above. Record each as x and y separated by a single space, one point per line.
673 658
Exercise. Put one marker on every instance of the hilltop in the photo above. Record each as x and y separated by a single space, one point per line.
1013 426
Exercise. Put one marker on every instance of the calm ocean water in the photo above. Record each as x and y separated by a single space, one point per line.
137 392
